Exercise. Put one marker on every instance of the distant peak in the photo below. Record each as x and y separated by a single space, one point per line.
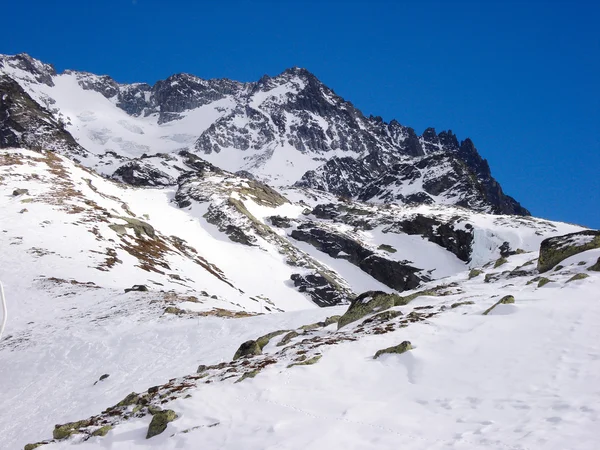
298 71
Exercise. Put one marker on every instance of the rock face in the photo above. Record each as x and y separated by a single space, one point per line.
395 274
556 249
24 123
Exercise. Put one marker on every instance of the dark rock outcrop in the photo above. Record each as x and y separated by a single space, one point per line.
395 274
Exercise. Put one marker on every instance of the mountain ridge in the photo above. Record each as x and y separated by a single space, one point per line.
283 129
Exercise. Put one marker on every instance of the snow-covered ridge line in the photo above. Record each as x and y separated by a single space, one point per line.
282 129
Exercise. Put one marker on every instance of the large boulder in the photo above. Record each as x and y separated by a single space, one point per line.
159 422
367 303
248 348
556 249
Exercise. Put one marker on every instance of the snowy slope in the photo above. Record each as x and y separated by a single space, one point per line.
521 377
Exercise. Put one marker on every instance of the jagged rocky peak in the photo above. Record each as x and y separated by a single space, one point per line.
284 124
38 71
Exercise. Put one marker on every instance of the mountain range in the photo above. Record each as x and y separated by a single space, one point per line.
180 257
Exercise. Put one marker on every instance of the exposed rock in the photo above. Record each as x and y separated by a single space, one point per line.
543 281
387 248
457 304
287 338
102 378
506 300
139 227
18 192
473 273
138 173
25 123
578 276
322 290
248 348
397 349
306 362
395 274
68 429
556 249
159 422
445 234
137 288
264 340
34 446
500 262
280 222
369 302
102 431
595 267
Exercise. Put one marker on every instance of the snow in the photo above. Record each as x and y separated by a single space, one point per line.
525 377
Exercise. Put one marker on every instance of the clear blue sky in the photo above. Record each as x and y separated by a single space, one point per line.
520 78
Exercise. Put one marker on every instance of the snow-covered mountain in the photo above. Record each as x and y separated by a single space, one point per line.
286 129
215 264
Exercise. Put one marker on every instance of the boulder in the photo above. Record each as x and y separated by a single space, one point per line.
248 348
159 422
398 349
137 288
18 192
287 338
556 249
369 302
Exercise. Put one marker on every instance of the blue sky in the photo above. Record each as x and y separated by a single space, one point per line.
520 78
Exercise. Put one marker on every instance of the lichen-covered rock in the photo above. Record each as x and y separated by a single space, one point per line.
65 430
543 281
474 273
397 349
506 300
595 267
287 338
102 431
34 446
556 249
248 348
457 304
500 262
385 316
264 340
578 276
173 310
250 374
131 399
306 361
369 302
159 422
